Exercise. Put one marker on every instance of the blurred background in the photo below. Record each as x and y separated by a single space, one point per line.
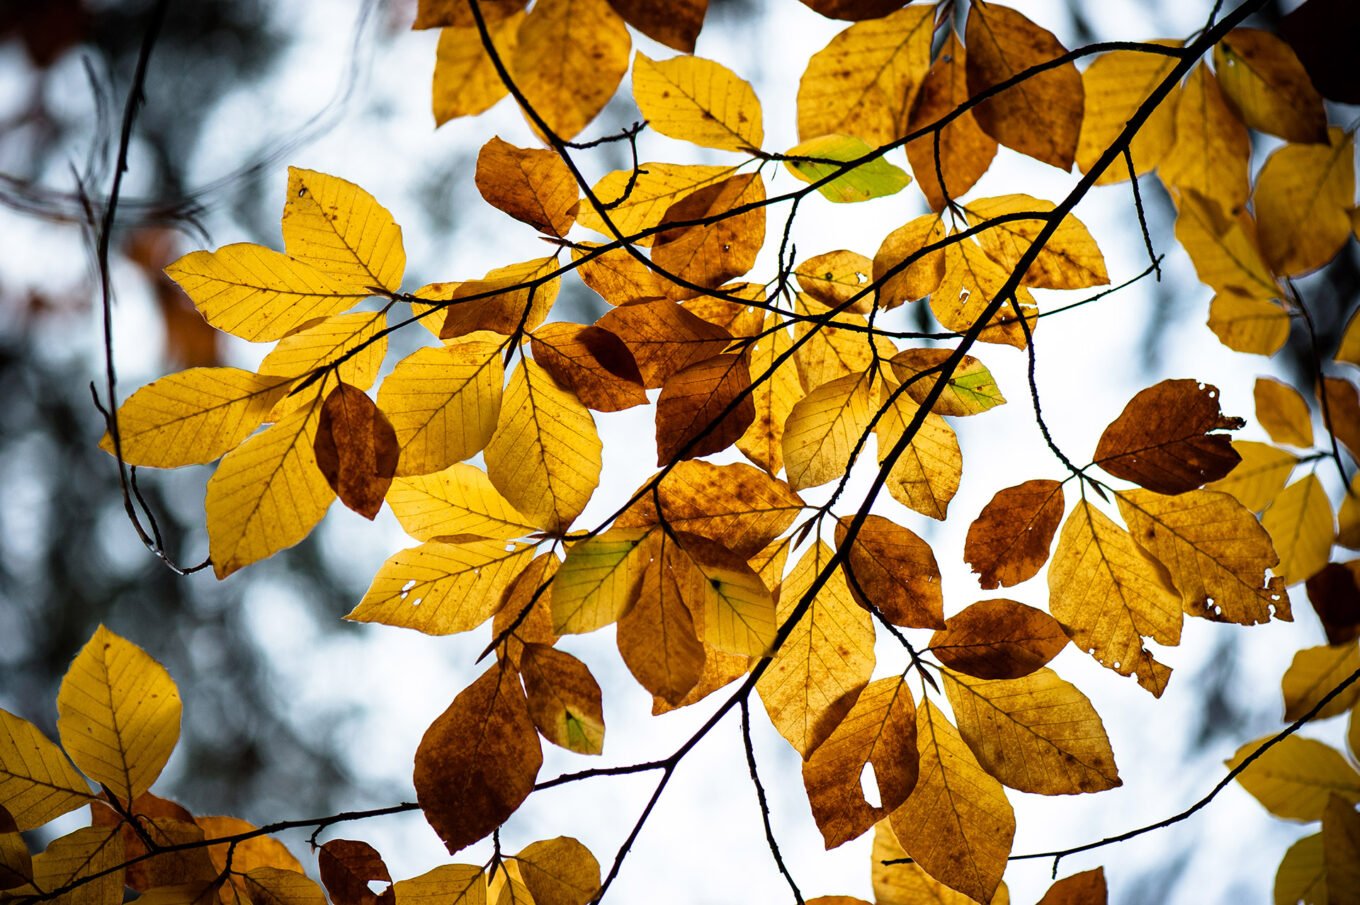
291 712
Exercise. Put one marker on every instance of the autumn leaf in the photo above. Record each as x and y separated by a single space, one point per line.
1335 596
592 363
1283 413
348 867
837 279
675 23
1259 477
1341 849
823 429
1041 116
638 199
453 13
1302 875
1246 324
93 854
776 388
1303 197
926 476
356 449
1212 149
1295 777
1268 87
559 871
891 570
1009 541
699 101
957 823
525 614
664 338
739 614
1166 438
570 57
275 886
923 275
448 884
703 409
704 241
998 639
1313 674
599 579
509 300
1301 529
530 184
1117 84
457 501
1069 259
1036 733
657 638
819 158
351 346
1226 255
905 883
965 151
37 781
563 699
1085 888
971 281
969 389
477 762
342 230
465 80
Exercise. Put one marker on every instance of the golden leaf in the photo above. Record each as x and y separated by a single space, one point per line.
1070 259
350 344
465 80
559 871
651 190
1117 84
699 101
1283 413
957 823
1223 248
1212 148
545 455
257 293
926 476
824 663
508 300
893 569
455 13
710 254
85 853
571 56
1302 876
824 428
1085 888
738 609
864 81
478 761
267 494
1294 778
1341 850
440 587
1301 528
971 281
1214 550
563 699
838 279
193 417
616 275
444 403
341 230
1303 198
1041 116
599 579
923 275
998 639
530 184
1009 540
460 500
777 388
37 782
1246 324
1036 733
1349 349
118 714
1107 595
832 346
657 638
879 730
275 886
1260 475
907 884
1314 672
969 390
965 151
1266 84
448 884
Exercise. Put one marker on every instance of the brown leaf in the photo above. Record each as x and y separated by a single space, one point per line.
1343 412
1341 850
1041 116
356 449
965 150
478 761
675 23
591 362
703 409
16 864
854 9
998 639
530 184
657 637
455 13
537 626
724 246
1010 539
1335 595
1320 32
564 699
896 570
664 338
1085 888
879 733
347 868
1164 439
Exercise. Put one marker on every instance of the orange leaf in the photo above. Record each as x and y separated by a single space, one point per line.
965 150
529 184
724 246
1009 541
703 409
563 699
591 362
1085 888
892 568
998 639
664 338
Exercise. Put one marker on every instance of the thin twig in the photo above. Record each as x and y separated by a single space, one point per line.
764 804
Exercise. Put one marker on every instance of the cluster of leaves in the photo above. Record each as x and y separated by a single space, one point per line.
714 573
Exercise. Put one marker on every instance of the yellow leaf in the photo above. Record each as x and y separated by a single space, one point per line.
1283 413
545 454
957 824
1302 876
1260 475
907 883
968 391
838 279
699 101
1293 779
1303 198
1246 324
1041 116
444 403
1212 148
353 340
192 417
530 184
460 500
1268 86
448 884
1301 528
919 278
737 608
777 388
617 276
527 606
1117 84
1224 251
825 662
1070 259
1036 733
599 579
1348 519
640 199
118 714
564 699
593 363
965 151
258 294
1107 595
559 871
823 429
864 81
571 56
1314 672
926 476
37 782
971 281
832 346
267 494
276 886
441 588
465 80
879 732
509 300
1349 349
1215 551
342 230
87 852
